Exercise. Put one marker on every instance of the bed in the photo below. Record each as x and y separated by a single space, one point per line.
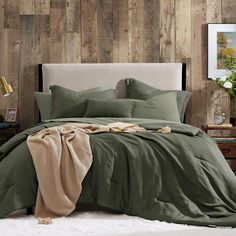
179 177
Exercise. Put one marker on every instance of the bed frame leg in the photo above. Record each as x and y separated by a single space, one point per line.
29 211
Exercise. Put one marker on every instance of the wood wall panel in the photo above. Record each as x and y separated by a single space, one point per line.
198 53
151 31
104 31
228 11
57 34
182 29
1 16
27 70
91 31
31 7
42 7
73 16
120 31
41 38
135 21
167 30
26 7
11 14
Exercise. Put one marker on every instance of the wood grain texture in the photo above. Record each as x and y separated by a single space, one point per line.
167 30
41 38
136 37
151 31
27 71
199 66
31 7
73 16
120 31
73 47
182 29
42 7
228 11
1 16
104 31
57 35
26 7
58 3
11 14
41 46
91 31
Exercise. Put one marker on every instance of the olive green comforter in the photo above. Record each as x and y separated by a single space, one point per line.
180 177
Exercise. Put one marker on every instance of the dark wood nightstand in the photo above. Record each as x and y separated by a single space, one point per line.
8 131
226 142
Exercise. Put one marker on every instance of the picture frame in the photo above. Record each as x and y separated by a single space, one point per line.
11 115
221 49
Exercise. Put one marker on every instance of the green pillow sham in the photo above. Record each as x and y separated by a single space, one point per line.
68 103
139 90
109 108
44 104
163 107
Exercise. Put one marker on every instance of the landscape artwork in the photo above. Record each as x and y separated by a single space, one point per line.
226 50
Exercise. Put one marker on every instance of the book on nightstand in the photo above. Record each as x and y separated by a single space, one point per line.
224 139
225 125
9 125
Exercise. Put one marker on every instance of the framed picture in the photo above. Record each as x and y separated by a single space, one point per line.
11 115
221 49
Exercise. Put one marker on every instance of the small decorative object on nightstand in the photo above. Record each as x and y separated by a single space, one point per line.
219 117
11 115
7 131
225 142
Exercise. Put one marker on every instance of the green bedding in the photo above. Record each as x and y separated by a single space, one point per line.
180 177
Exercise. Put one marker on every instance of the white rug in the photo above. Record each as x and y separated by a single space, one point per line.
102 224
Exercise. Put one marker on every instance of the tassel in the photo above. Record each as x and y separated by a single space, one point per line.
45 221
164 130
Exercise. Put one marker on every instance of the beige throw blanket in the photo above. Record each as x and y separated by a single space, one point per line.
62 156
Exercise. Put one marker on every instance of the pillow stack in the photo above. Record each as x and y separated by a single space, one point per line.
139 90
63 102
143 101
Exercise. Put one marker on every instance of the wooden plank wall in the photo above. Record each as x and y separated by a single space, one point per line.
94 31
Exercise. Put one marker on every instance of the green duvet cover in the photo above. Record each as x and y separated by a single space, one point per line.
180 177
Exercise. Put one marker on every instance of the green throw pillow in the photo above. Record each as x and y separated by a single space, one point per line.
162 107
68 103
109 108
139 90
44 104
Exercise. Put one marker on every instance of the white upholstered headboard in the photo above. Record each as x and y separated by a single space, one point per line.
111 75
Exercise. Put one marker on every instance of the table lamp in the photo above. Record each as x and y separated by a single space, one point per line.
6 87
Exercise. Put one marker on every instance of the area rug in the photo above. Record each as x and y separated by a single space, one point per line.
102 224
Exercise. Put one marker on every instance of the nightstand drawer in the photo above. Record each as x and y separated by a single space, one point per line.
3 139
228 149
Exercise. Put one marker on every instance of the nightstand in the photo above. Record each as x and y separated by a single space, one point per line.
7 131
226 143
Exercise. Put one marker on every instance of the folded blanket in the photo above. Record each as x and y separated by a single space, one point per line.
62 156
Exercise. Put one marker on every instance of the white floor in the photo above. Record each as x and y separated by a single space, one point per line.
102 224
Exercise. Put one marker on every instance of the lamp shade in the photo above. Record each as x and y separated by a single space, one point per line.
6 87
